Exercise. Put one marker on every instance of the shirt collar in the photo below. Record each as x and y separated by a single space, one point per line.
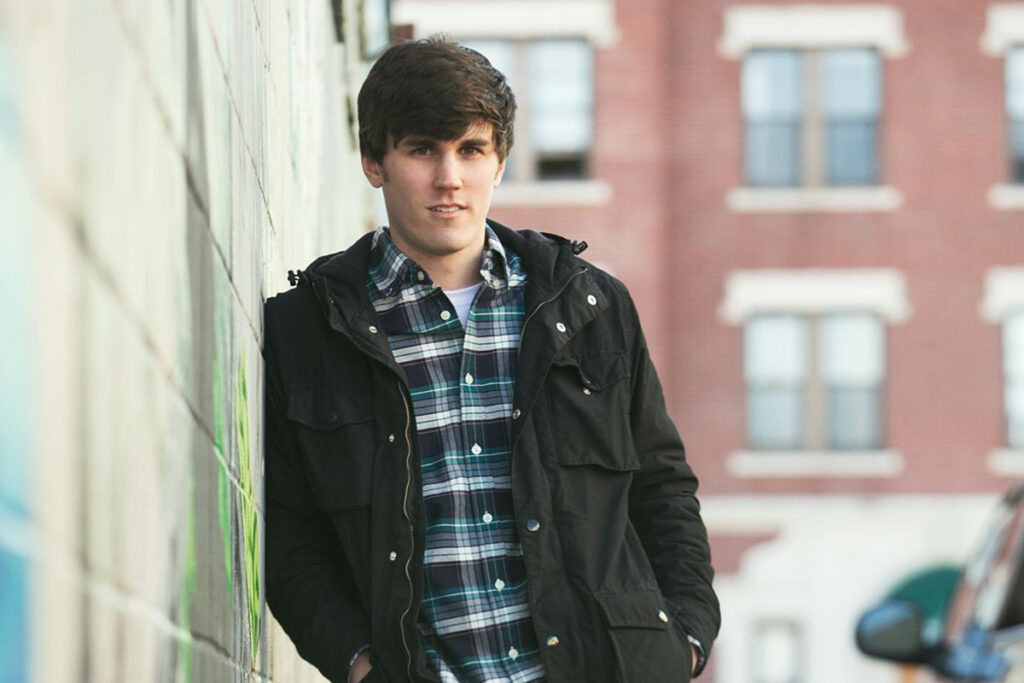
391 270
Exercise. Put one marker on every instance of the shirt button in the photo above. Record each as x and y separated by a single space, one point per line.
663 616
392 556
499 584
445 315
592 300
532 525
488 518
476 449
560 327
373 329
469 378
516 414
552 641
420 276
391 438
513 653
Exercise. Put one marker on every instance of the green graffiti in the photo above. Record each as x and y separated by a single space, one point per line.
250 526
224 508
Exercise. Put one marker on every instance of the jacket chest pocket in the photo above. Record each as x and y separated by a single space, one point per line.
335 430
589 398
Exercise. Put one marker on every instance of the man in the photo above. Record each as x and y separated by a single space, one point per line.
471 475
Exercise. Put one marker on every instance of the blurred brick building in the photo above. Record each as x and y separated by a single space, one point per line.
820 211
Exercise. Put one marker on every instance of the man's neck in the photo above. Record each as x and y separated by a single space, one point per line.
448 271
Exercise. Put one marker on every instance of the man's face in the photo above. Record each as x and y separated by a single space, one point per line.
437 192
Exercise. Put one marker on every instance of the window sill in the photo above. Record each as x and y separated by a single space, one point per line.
813 199
1006 197
553 193
1006 461
801 464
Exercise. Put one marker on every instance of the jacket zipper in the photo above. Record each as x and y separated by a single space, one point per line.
412 530
522 330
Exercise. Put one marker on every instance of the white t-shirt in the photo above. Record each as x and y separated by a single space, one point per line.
462 300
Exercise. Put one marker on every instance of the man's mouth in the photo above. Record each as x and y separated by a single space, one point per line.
446 209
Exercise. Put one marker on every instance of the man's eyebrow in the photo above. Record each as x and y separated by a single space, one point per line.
476 142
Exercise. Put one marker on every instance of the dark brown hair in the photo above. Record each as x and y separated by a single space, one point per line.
436 88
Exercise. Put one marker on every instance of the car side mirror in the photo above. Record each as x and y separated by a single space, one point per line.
892 630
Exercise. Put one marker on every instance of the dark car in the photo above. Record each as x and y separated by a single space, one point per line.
983 634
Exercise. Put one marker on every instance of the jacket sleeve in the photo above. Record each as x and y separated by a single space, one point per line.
663 505
309 588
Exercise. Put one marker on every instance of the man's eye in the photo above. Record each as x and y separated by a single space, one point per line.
421 151
470 151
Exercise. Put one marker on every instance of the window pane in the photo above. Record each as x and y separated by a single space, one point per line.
772 94
850 83
1013 378
852 349
773 154
1015 110
775 418
775 349
561 95
850 153
771 85
854 418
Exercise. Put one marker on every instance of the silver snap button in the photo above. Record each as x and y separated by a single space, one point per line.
663 616
586 391
391 438
373 329
592 300
560 327
392 556
532 525
552 641
515 414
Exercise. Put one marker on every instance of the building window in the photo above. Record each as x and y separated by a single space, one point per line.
814 382
553 80
1013 379
1015 111
778 652
811 116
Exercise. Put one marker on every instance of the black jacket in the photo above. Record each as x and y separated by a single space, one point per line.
615 550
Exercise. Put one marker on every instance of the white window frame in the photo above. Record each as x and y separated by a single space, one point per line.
813 27
1004 29
1004 295
815 291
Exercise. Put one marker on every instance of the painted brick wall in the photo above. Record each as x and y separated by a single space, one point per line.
175 159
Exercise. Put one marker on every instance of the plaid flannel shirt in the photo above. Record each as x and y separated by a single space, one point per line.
474 622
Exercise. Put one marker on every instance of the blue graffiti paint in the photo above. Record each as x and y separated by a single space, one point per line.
15 233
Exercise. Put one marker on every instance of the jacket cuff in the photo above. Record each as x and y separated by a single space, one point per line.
702 657
353 659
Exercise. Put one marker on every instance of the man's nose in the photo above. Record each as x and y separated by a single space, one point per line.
448 172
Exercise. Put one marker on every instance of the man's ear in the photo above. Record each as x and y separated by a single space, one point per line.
499 174
373 171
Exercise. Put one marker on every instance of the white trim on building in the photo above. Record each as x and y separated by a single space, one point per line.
805 464
1004 28
1004 293
815 290
882 198
1006 197
561 193
511 19
812 26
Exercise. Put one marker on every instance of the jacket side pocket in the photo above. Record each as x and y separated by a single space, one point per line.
646 646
